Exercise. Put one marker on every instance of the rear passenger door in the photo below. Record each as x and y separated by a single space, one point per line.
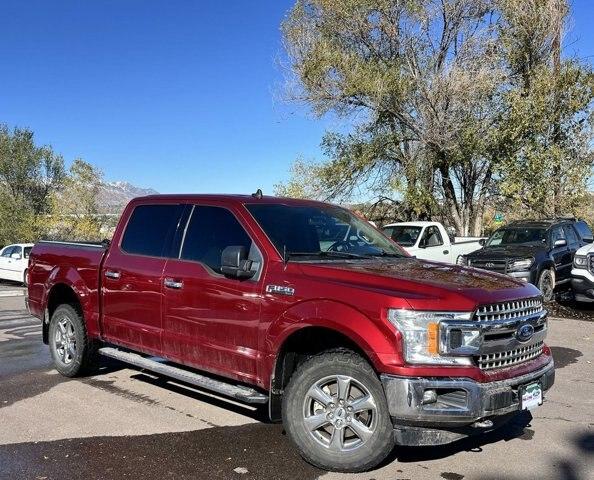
132 277
573 243
211 321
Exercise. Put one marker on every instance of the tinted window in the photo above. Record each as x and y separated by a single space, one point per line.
210 231
28 251
7 252
18 250
513 235
557 233
584 230
150 228
570 234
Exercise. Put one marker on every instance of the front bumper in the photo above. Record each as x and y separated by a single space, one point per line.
462 405
583 288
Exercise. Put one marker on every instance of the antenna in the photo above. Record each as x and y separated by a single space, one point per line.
258 194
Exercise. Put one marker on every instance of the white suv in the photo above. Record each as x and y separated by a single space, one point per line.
582 274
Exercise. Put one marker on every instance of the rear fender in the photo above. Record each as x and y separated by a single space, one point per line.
87 297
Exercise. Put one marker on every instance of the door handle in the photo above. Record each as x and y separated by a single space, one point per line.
171 283
445 252
112 274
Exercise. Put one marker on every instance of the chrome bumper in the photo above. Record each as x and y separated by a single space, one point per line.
461 402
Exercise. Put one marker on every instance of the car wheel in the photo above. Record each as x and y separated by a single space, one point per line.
71 350
335 412
25 278
546 284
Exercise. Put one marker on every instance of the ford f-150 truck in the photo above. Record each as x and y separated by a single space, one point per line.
353 344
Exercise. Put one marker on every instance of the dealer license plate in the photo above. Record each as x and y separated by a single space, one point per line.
531 396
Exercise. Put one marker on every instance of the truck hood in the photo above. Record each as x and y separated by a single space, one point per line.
424 284
507 251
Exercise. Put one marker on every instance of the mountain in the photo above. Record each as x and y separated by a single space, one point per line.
113 196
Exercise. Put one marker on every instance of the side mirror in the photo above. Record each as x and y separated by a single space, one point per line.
560 243
482 242
235 263
16 256
423 243
588 239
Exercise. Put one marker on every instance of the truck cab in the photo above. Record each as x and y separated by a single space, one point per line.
352 343
431 241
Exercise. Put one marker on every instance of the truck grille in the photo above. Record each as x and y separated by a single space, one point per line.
591 263
499 266
511 357
509 310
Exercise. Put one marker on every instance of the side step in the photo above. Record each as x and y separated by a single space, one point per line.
238 392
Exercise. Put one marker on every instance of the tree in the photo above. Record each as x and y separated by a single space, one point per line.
75 212
432 90
28 176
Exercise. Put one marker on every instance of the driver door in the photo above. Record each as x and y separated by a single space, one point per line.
561 254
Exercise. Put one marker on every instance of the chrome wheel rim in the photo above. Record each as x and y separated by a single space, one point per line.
340 413
65 341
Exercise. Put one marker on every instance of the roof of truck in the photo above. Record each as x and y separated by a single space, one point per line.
231 198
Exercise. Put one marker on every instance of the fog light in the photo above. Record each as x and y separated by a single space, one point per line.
429 396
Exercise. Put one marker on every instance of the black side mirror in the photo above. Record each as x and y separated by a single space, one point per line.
235 263
482 242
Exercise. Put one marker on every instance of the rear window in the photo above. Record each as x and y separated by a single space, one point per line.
150 229
584 230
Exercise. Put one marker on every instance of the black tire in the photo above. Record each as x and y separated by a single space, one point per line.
546 284
317 446
79 359
25 278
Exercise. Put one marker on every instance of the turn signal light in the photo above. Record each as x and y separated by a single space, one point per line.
433 338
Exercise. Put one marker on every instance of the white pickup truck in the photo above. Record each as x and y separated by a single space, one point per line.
431 241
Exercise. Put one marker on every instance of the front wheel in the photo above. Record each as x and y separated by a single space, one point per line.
335 411
546 284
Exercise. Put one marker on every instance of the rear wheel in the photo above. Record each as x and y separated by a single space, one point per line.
335 411
71 350
546 284
25 278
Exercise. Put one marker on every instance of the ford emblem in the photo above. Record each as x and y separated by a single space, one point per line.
524 332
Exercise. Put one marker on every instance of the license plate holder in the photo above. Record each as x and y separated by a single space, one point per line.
530 396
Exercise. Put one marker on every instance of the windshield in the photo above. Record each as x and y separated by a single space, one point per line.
320 230
509 236
405 235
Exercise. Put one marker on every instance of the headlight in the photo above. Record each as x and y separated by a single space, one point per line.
421 335
580 261
461 260
522 264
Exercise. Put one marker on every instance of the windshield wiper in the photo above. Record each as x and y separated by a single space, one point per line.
383 253
323 254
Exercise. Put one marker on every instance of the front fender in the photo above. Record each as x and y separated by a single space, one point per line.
374 336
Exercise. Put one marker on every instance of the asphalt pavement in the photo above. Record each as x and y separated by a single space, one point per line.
126 423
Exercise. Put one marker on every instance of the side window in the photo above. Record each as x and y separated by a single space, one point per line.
570 234
557 234
18 250
150 228
433 237
28 251
7 252
583 230
209 232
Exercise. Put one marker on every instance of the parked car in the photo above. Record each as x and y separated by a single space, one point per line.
430 241
534 251
14 260
582 274
353 344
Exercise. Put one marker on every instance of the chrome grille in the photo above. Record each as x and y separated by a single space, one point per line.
510 357
591 263
509 310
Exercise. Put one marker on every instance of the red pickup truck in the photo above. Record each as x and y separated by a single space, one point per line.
302 305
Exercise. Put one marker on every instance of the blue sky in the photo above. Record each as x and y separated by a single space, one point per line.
176 95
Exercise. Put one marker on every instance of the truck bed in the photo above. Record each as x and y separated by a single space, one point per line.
74 263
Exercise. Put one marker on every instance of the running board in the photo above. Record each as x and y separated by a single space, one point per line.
238 392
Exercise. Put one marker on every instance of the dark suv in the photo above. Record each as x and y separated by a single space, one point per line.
536 251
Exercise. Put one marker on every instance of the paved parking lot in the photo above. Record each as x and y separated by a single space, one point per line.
125 423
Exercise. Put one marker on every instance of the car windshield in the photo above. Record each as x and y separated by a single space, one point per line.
405 235
320 231
516 235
